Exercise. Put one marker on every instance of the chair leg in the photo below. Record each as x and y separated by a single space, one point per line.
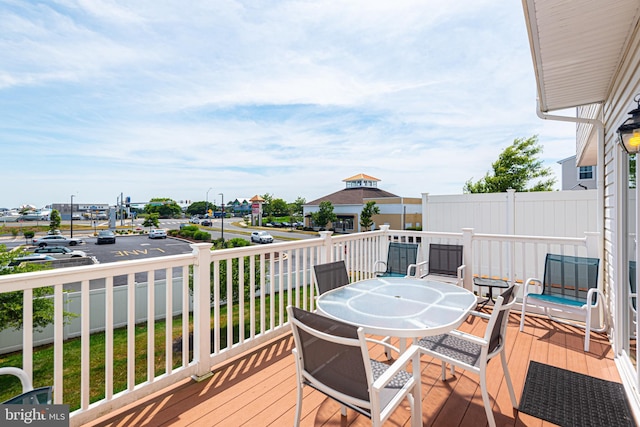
343 410
587 327
444 371
298 405
485 396
507 378
524 306
387 351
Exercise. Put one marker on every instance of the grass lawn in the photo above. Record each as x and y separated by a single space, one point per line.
43 356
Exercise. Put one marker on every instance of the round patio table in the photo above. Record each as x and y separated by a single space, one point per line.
399 307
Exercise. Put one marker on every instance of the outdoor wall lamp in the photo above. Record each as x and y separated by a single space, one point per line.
629 131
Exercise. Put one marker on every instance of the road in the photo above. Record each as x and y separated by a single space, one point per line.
131 247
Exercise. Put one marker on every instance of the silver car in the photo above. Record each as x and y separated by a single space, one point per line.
56 240
261 237
60 252
158 233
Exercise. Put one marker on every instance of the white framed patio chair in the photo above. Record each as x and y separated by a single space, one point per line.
569 286
333 358
473 353
444 264
400 257
29 396
330 275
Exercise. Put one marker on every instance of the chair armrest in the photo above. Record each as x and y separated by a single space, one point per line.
384 344
411 355
531 281
22 375
461 271
590 293
468 337
417 267
480 314
379 262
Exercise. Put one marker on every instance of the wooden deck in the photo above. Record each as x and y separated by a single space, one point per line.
258 388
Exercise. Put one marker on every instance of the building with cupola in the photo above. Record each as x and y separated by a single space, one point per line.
397 211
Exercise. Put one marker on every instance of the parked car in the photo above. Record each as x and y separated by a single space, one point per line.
106 236
57 240
205 222
31 258
53 232
76 217
158 233
261 237
60 252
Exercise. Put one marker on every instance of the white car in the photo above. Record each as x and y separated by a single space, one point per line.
195 220
56 240
158 233
60 252
261 237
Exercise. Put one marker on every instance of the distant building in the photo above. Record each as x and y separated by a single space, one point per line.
399 212
239 207
577 177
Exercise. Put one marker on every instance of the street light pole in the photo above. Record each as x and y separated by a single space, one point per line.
222 219
72 215
206 206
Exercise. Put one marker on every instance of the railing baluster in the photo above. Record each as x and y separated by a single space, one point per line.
108 347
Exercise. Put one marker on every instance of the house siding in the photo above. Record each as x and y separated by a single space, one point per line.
616 213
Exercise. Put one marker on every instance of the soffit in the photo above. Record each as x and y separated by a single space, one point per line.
577 46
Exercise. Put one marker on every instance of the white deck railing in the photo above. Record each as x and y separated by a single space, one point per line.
264 279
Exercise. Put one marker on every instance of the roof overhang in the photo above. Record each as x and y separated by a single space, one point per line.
577 47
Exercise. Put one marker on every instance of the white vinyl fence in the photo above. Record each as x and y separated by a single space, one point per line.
548 213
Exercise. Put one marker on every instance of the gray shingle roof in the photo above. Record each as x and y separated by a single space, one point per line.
352 196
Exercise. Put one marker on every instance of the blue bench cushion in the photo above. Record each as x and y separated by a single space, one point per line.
556 299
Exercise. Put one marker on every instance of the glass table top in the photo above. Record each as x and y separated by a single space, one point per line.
400 307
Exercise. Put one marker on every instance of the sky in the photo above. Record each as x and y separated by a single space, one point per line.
190 100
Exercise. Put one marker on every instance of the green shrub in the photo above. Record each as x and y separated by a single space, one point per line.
202 235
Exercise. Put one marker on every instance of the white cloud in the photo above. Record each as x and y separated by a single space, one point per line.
157 98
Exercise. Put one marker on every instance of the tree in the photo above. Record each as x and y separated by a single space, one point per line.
267 209
324 215
515 168
297 207
199 208
12 302
164 207
151 220
368 211
54 220
279 207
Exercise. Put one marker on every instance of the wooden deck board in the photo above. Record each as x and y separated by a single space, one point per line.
259 387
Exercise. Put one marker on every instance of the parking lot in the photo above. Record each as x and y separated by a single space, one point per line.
134 247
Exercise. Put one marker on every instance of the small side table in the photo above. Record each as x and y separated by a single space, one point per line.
489 283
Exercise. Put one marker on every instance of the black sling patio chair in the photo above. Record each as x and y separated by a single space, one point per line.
330 276
333 358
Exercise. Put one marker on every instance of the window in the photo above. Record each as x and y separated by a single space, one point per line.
585 172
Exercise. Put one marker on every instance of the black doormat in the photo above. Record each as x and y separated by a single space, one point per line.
571 399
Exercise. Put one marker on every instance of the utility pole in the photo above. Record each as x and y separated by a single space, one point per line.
222 219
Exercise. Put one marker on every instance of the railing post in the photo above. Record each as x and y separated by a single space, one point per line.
467 258
511 211
384 241
593 244
325 256
425 201
202 310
